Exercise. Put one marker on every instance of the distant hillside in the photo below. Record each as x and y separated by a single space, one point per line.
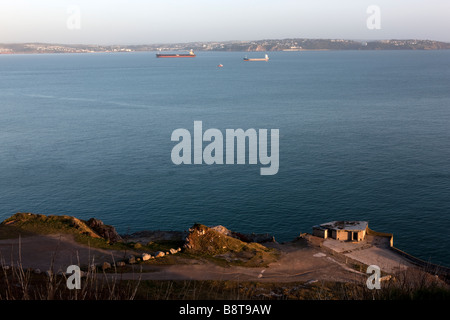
322 44
296 44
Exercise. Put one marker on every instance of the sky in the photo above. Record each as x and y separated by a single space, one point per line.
169 21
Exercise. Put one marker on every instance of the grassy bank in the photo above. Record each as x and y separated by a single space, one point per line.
204 243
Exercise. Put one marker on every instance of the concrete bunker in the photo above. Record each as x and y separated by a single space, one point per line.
342 230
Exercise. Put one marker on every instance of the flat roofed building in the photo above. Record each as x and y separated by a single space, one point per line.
342 230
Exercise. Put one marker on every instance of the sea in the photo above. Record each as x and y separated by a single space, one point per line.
363 135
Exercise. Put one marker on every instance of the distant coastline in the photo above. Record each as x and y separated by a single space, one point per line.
294 44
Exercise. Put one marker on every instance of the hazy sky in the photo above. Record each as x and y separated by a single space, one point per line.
156 21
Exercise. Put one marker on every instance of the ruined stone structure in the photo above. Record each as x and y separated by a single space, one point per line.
342 230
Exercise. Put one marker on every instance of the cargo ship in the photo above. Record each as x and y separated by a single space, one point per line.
191 54
266 58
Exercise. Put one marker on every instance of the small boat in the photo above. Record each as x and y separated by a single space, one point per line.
220 65
266 58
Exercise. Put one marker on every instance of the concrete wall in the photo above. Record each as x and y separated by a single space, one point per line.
390 236
361 235
319 232
427 266
345 235
341 235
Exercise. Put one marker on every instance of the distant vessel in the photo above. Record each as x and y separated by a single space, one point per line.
191 54
220 65
266 58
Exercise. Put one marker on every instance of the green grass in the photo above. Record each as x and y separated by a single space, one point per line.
26 224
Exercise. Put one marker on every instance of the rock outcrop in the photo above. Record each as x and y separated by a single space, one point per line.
253 237
66 224
208 241
107 232
146 256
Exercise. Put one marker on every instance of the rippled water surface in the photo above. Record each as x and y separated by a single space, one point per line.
363 136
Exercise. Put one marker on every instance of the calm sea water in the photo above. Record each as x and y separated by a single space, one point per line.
363 136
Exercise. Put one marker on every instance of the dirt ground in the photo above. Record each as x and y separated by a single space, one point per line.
57 252
299 261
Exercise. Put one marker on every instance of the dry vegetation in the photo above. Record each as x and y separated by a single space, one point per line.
17 283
